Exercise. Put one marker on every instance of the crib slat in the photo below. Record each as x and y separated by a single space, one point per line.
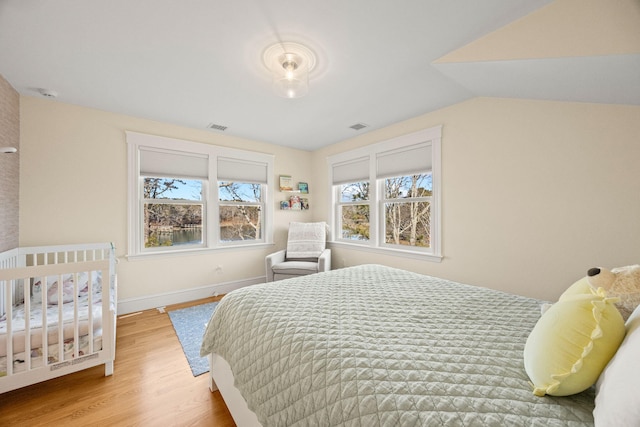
27 326
76 320
8 294
60 323
90 311
45 327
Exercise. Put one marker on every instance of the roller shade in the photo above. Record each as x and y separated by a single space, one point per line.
173 164
241 170
406 161
351 171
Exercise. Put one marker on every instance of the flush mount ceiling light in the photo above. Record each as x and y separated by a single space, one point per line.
48 93
290 65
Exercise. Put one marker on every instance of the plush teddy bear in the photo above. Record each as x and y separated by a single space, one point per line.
621 282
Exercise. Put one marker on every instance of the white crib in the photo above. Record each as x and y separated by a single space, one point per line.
42 288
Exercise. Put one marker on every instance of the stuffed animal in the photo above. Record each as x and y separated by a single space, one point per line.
621 282
574 339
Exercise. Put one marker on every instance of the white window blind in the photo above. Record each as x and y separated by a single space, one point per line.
405 161
351 171
155 162
241 170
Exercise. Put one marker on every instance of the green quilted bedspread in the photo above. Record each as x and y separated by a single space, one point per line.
375 346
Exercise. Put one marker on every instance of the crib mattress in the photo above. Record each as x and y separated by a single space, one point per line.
52 319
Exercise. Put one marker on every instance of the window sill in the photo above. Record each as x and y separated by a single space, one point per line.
388 251
195 251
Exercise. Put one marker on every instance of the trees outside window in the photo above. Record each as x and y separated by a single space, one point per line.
386 196
173 212
407 210
354 211
240 211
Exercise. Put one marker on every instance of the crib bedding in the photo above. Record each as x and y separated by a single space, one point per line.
372 346
52 316
53 355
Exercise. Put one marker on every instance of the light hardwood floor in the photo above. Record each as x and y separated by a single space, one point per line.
152 385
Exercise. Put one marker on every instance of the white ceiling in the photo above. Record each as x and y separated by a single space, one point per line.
196 62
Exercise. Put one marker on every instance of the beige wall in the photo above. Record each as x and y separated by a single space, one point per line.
9 165
74 190
534 192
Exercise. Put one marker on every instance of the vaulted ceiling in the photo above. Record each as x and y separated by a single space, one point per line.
196 63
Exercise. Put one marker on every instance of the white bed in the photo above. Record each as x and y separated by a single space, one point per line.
372 345
33 346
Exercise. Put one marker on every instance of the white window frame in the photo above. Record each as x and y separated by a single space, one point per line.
211 222
432 138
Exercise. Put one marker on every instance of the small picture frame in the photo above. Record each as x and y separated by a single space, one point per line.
285 183
303 187
284 205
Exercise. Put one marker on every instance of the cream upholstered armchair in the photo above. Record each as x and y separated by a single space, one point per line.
306 252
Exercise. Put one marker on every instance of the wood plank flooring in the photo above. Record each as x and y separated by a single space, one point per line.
152 385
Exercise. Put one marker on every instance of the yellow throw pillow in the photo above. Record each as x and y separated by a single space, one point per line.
572 343
580 287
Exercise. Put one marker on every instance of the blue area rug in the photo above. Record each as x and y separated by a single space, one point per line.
190 324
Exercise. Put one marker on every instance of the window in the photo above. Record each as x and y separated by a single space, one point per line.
353 210
173 212
241 200
386 196
407 210
187 196
240 211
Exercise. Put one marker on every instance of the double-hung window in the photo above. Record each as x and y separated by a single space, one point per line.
386 196
240 200
186 196
353 204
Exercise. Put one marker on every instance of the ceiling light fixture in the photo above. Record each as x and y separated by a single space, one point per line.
8 150
48 93
292 80
290 65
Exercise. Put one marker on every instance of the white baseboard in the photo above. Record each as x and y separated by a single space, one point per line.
132 305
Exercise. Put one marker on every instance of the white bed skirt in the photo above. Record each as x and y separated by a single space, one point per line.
221 378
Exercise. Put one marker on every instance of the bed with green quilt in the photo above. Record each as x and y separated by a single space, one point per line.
378 346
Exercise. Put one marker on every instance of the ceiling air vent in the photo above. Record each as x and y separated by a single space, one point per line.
358 126
216 127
